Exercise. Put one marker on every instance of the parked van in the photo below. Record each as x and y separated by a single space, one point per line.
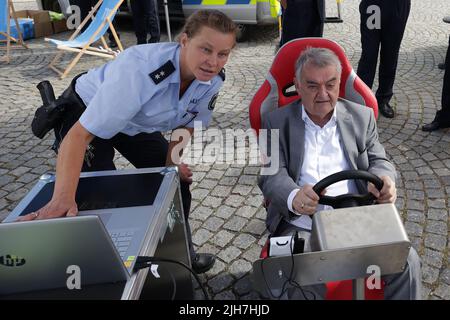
260 12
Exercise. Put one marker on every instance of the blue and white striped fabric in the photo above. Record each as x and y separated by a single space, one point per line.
3 15
102 13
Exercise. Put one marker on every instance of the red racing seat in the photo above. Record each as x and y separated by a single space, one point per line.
278 90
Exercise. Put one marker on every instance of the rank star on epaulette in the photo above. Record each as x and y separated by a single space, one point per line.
222 74
162 72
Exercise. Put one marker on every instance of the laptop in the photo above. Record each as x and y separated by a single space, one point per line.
41 254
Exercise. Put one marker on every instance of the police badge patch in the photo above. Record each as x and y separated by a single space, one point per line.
212 102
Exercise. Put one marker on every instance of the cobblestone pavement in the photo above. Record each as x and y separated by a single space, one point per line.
227 218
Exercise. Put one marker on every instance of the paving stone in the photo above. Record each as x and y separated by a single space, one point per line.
229 254
201 213
225 211
246 212
415 216
233 172
221 191
220 282
243 241
215 174
433 258
429 274
254 201
199 194
435 241
235 224
242 190
443 291
445 276
222 238
437 227
256 227
240 267
228 181
413 228
212 202
218 267
213 224
248 180
201 236
437 214
234 200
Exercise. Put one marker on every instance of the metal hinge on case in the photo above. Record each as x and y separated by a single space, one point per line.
167 170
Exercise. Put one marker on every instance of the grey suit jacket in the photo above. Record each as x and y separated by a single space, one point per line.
363 151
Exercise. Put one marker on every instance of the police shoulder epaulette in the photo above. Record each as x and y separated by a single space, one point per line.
162 72
222 74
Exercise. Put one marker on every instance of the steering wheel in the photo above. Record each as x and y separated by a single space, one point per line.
350 199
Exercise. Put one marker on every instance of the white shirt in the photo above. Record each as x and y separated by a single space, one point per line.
323 156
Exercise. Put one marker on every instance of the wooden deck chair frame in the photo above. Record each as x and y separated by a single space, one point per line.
20 44
88 49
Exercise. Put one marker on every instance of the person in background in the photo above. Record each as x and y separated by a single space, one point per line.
386 39
301 19
146 20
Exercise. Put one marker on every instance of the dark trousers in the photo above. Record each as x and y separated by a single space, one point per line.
85 7
146 20
302 18
444 113
386 40
144 150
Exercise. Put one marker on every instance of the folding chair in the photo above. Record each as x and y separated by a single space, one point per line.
102 15
6 13
278 91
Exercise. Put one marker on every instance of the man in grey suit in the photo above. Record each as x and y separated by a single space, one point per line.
318 136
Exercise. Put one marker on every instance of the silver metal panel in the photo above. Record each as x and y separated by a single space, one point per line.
357 227
345 242
322 267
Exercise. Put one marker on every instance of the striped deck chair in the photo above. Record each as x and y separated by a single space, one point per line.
102 16
6 13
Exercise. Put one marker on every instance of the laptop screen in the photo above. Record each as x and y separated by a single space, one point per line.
107 192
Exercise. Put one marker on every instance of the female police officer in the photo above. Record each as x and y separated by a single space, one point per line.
129 101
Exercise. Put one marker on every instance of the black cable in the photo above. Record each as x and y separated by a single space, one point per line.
283 287
289 280
145 262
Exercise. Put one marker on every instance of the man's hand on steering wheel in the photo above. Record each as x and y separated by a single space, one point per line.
388 194
306 200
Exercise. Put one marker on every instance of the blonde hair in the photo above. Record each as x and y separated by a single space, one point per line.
213 19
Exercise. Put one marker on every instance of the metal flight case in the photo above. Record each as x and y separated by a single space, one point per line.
165 236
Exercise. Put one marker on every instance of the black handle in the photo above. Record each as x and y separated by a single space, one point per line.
47 94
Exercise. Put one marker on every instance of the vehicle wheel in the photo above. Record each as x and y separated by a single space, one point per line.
242 33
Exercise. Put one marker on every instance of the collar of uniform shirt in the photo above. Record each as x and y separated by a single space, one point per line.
311 124
176 62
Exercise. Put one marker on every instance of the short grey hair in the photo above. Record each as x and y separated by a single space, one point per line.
319 57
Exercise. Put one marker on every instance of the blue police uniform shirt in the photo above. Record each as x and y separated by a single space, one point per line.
139 92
